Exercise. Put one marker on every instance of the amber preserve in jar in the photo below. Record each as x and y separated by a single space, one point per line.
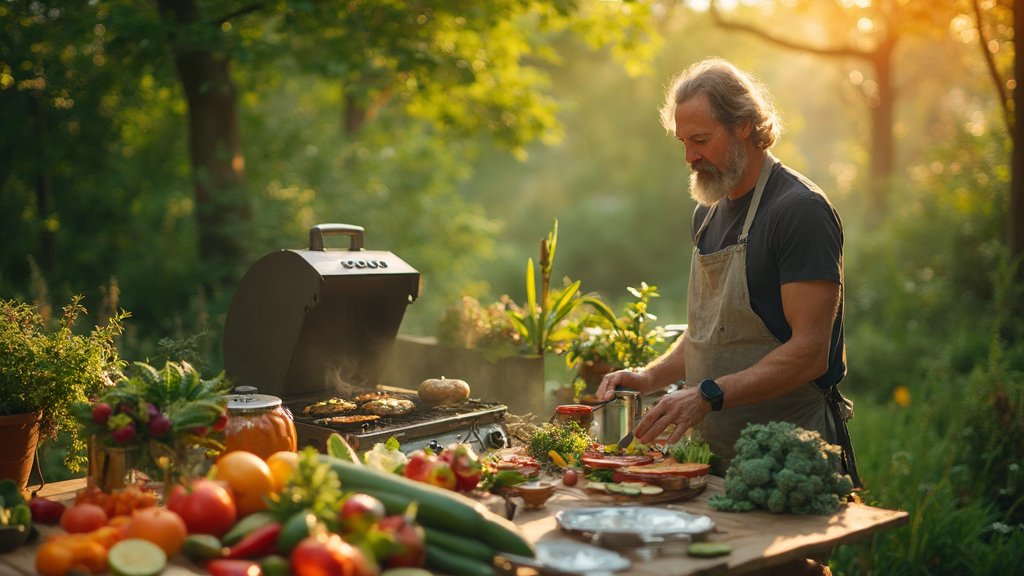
258 423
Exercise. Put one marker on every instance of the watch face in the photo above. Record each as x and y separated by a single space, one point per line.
713 393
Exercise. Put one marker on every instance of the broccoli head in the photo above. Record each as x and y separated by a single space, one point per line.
781 467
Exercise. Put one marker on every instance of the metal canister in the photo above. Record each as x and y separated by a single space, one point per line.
258 423
619 416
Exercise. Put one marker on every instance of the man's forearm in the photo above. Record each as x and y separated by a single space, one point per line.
670 367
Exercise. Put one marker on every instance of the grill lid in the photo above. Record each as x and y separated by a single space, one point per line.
317 320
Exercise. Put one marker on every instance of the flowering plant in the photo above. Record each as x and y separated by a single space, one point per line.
169 414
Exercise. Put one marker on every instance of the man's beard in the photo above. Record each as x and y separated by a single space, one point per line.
708 184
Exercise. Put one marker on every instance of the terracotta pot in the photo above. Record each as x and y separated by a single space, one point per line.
20 434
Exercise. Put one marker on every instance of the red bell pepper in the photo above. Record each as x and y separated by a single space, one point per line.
223 567
260 542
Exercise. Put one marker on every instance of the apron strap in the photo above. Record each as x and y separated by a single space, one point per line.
841 412
762 179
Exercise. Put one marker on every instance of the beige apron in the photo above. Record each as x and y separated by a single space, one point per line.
724 335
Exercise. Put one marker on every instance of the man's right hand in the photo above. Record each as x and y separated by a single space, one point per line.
631 379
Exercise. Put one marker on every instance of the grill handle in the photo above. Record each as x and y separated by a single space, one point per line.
317 233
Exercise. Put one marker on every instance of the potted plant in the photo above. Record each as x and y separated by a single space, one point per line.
163 423
629 341
44 371
542 324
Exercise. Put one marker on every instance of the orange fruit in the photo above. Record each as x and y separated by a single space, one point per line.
249 477
84 517
282 465
160 526
54 558
89 556
107 536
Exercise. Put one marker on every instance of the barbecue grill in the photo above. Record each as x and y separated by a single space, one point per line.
309 325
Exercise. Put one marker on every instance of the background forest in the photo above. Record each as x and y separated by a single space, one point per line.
151 151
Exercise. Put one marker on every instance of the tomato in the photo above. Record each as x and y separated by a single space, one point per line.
161 526
329 554
206 507
570 477
250 480
84 517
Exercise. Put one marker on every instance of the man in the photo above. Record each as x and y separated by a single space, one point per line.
764 340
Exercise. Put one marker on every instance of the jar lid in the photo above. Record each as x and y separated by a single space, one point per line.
573 409
246 398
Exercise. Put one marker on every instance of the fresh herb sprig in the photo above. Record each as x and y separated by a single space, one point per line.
568 439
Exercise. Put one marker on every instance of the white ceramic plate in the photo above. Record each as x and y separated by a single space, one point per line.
644 520
578 558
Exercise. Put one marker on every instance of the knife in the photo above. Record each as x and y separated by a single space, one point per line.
626 441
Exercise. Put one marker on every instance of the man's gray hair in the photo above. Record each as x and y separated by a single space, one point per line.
735 97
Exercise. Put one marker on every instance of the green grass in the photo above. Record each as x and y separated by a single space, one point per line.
912 458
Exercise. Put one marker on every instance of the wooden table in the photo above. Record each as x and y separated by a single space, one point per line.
758 539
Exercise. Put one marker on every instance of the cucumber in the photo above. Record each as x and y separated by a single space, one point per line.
438 508
630 491
651 490
448 562
136 557
459 544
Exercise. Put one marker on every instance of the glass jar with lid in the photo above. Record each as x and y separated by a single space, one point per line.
258 423
581 414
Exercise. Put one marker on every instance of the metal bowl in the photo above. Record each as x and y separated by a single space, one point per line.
13 536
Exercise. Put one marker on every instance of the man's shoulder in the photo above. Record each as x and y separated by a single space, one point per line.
792 192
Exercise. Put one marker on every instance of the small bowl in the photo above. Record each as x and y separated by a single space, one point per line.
13 536
535 494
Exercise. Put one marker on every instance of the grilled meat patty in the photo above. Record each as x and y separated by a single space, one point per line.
329 407
389 406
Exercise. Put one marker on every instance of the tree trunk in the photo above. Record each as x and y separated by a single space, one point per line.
883 148
1015 213
222 209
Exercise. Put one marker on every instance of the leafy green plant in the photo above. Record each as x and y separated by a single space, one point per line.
50 369
170 414
471 325
629 341
542 323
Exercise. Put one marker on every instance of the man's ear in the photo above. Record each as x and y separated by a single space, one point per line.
744 130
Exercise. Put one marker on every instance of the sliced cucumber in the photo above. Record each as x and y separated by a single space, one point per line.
630 491
708 549
597 486
613 487
651 490
136 557
632 484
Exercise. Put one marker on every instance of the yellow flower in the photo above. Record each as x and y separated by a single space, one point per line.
901 395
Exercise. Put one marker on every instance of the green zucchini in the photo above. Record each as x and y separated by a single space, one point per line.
437 507
448 562
459 544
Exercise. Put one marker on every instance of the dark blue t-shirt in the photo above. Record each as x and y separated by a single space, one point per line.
796 236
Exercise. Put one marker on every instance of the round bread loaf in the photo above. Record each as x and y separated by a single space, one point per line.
436 391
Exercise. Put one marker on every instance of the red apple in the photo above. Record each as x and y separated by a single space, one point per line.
358 512
466 465
410 548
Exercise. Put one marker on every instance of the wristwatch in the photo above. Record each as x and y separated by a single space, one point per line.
713 393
